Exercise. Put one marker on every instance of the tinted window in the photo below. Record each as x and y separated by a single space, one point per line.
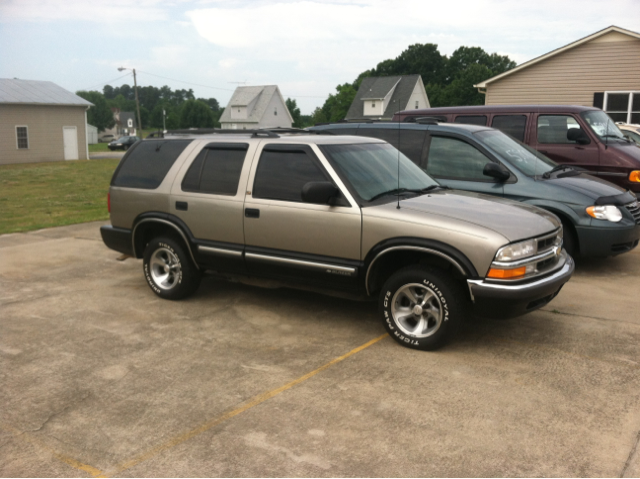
216 170
147 163
511 125
282 174
340 131
451 158
410 142
471 119
553 128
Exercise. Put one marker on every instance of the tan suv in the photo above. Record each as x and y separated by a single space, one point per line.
347 213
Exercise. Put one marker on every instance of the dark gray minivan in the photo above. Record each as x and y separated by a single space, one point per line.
599 218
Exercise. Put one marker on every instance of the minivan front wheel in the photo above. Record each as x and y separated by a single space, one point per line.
169 271
421 307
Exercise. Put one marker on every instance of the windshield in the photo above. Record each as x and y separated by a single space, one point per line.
526 159
602 125
372 168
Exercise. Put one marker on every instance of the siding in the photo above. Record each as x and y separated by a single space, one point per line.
45 132
571 77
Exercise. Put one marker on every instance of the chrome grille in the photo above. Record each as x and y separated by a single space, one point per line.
634 209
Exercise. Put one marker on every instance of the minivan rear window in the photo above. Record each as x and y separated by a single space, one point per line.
147 163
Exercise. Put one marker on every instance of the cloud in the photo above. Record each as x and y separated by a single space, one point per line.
122 11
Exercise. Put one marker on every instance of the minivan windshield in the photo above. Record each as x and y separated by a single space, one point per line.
526 159
602 125
372 169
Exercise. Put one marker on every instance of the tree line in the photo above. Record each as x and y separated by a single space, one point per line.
182 108
448 81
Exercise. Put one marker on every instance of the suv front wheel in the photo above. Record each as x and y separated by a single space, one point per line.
421 307
168 270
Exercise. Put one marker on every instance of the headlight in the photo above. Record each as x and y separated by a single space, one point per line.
517 251
607 212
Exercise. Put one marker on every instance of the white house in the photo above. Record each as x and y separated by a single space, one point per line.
380 97
253 107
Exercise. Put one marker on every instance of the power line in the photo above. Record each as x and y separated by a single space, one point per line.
106 82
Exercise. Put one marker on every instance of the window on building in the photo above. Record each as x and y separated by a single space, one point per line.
417 104
275 111
373 104
622 106
22 137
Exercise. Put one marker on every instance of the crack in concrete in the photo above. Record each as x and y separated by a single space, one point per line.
62 411
555 311
632 454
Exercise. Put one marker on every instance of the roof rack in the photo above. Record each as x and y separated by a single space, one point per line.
425 120
268 133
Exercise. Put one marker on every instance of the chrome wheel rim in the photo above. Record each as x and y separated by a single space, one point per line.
417 310
165 268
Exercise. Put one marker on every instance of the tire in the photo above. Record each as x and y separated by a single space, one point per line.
421 307
168 269
125 147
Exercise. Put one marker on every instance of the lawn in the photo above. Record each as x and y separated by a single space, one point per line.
41 195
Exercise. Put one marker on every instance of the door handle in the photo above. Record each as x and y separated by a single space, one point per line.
252 212
182 205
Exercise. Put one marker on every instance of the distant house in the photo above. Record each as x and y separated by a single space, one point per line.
126 125
254 107
92 134
41 121
601 70
380 97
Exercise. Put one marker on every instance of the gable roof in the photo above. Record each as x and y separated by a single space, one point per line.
244 95
557 51
376 88
37 93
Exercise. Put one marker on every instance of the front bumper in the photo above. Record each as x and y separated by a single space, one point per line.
608 241
501 300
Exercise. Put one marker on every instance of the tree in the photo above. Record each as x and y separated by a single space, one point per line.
99 115
335 108
196 114
292 106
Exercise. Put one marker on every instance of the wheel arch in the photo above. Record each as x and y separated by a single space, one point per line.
392 255
149 225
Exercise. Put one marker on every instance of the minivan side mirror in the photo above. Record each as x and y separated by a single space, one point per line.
578 135
319 192
497 171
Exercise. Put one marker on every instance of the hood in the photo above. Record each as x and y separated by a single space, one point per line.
515 221
597 190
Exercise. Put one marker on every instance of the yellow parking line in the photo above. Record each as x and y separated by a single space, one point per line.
248 405
61 457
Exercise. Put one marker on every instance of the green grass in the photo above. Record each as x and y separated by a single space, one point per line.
42 195
99 148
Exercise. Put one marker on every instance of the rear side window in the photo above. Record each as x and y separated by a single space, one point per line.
216 170
513 125
147 163
471 119
410 142
281 174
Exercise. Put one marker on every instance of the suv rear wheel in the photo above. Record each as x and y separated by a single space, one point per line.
168 270
421 307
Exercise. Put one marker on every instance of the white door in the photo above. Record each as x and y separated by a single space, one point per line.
70 138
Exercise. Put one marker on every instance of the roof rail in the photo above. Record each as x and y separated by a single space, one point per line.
425 120
215 131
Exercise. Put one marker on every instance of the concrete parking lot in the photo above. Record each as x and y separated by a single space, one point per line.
101 378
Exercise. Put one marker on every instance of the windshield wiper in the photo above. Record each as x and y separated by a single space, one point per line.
556 168
395 191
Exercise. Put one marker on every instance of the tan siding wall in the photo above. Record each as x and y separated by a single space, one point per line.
571 77
45 132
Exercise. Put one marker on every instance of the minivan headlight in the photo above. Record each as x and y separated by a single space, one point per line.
607 212
516 251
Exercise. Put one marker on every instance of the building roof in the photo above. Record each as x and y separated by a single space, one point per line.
375 88
37 93
244 95
558 51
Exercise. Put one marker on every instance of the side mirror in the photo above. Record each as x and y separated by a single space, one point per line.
497 171
578 135
319 192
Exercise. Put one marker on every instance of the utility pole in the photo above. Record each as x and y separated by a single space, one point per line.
135 86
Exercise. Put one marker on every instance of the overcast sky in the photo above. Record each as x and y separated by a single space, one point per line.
305 47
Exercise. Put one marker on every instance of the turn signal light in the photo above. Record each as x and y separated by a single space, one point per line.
635 176
507 273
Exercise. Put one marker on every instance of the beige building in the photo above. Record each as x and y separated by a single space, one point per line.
602 70
40 121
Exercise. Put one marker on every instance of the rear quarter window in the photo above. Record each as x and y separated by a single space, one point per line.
147 163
